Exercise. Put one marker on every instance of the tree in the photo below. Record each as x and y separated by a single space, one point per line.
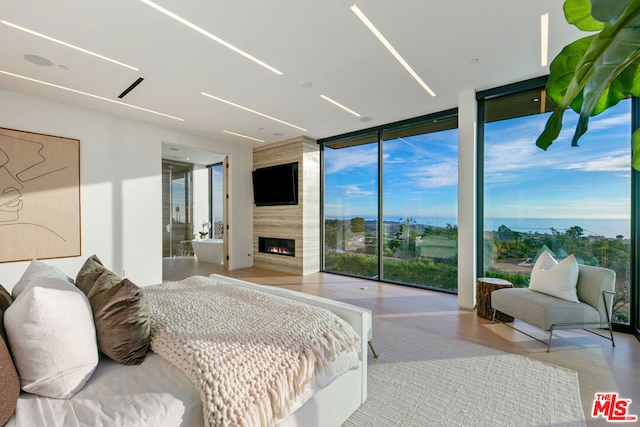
575 232
358 225
504 233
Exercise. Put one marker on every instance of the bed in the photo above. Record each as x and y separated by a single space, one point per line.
158 392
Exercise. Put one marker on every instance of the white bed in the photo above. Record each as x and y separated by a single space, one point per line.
157 394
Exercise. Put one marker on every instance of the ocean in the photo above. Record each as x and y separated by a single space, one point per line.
591 227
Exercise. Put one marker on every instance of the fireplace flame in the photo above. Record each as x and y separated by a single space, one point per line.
279 250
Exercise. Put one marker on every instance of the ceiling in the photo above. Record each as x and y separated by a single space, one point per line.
320 47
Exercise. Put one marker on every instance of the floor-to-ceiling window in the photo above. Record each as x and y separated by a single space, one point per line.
567 200
350 204
419 204
390 202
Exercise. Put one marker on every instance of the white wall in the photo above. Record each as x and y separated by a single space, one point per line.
121 194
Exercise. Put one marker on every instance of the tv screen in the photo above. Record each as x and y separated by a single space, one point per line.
276 185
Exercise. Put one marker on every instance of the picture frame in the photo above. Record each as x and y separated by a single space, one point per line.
39 196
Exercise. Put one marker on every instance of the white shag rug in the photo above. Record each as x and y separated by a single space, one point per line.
421 379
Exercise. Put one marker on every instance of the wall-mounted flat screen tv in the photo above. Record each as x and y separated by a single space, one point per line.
276 185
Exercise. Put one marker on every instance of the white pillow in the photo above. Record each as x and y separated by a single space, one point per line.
35 270
52 336
558 279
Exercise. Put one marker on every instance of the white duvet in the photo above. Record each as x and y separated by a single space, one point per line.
151 394
254 357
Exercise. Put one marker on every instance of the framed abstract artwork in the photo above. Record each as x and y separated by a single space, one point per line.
39 196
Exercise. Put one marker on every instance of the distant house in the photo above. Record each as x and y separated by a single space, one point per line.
437 248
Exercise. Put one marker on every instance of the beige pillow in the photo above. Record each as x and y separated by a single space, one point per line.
120 312
558 279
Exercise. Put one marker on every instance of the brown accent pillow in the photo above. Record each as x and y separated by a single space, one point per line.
89 273
9 384
9 381
121 315
120 312
5 302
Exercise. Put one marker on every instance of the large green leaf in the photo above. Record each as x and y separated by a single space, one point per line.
562 70
578 13
607 10
602 76
610 63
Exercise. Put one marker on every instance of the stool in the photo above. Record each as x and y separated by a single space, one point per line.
484 287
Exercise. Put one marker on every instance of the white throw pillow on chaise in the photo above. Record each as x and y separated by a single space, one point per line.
558 279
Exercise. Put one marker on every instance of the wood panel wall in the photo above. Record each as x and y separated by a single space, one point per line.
300 222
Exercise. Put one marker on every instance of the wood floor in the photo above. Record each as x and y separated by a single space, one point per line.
600 367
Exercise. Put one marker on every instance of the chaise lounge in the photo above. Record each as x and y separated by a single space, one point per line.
595 291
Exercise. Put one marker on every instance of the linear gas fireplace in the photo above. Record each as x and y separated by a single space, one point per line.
271 245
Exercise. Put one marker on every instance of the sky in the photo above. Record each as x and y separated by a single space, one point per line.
521 180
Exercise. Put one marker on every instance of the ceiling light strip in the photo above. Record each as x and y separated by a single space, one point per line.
544 39
209 35
34 33
252 111
90 95
390 48
337 104
242 136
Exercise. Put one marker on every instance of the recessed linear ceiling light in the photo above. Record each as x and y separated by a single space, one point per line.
390 48
209 35
326 98
89 94
252 111
242 136
544 39
26 30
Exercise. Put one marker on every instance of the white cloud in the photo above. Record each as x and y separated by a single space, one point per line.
356 191
619 163
443 174
358 157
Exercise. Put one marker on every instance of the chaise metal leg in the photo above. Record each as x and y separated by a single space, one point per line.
493 318
550 336
375 355
613 343
606 309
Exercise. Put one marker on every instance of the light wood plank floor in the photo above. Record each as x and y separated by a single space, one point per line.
600 367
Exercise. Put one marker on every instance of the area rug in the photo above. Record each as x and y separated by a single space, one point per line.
421 379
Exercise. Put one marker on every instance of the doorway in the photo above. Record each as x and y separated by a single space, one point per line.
194 199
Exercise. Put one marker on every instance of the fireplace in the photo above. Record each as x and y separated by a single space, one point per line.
272 245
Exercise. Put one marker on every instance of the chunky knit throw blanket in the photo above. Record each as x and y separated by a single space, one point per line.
251 355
